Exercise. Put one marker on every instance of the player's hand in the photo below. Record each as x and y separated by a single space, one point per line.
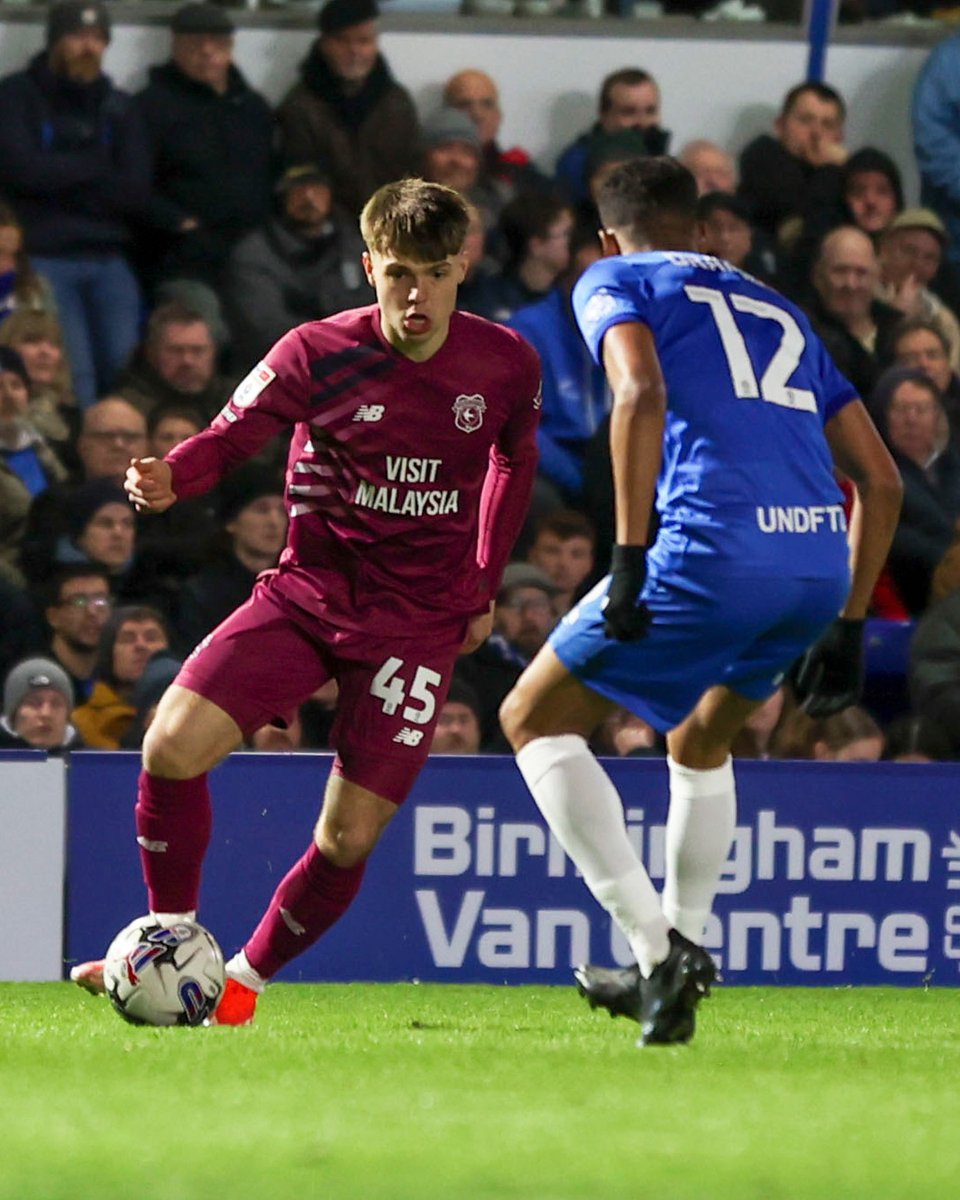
829 676
479 629
149 484
625 616
907 297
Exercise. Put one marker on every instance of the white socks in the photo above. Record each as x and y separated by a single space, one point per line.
583 810
585 814
174 918
700 828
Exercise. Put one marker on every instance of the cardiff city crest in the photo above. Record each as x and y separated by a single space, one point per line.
468 412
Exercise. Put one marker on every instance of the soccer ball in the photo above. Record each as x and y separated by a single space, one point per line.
164 974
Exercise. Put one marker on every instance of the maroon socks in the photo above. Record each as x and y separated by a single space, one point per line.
173 831
312 897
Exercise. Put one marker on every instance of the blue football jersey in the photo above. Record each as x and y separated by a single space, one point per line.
747 483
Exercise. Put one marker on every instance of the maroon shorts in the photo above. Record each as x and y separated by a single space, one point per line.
269 656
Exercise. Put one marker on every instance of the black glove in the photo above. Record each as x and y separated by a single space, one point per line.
829 676
625 616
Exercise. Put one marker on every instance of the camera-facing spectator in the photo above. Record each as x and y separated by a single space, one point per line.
563 548
458 726
211 141
74 163
177 360
161 670
714 168
525 609
135 633
724 228
302 265
254 523
77 606
37 699
923 344
347 113
38 339
170 424
21 288
629 99
910 254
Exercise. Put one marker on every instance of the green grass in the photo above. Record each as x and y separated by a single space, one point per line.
394 1092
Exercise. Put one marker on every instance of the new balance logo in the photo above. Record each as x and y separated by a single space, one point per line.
153 846
409 737
369 412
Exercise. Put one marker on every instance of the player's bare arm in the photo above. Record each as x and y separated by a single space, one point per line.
636 426
860 453
149 484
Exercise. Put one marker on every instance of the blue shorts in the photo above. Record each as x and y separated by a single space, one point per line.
745 639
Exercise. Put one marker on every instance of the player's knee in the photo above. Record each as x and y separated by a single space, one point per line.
166 756
345 845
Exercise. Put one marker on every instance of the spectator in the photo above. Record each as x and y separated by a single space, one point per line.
302 265
21 634
524 612
506 172
910 255
78 605
934 672
936 138
872 192
100 530
158 674
27 464
724 228
254 523
38 338
754 739
21 288
74 161
714 168
625 735
170 424
112 433
575 395
279 739
629 99
798 170
458 726
475 294
536 232
910 415
563 548
856 328
848 736
347 113
177 361
211 138
923 345
452 155
132 637
37 699
915 739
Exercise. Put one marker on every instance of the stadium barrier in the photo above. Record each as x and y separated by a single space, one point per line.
839 873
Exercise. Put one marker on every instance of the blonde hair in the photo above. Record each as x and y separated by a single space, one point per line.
28 325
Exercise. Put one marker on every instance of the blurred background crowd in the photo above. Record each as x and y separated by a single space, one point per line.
154 246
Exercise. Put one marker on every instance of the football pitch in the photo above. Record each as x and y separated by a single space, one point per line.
407 1092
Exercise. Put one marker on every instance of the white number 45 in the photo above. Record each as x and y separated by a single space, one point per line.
389 686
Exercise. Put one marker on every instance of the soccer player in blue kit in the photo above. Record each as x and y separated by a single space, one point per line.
729 408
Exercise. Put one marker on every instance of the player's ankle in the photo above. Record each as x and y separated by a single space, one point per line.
239 968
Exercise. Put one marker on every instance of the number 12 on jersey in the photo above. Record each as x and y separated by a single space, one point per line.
389 687
773 386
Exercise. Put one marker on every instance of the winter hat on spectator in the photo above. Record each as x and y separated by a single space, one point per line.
11 361
451 125
871 160
244 485
88 499
342 14
920 218
34 673
303 174
201 18
462 693
73 16
524 574
158 674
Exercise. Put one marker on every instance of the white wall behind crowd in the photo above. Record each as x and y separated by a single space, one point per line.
721 88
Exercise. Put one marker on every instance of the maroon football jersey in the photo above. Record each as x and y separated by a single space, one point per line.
407 482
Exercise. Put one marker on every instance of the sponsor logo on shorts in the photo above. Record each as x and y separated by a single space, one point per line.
801 518
409 737
369 412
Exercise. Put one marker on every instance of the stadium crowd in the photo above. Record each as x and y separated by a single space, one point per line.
153 247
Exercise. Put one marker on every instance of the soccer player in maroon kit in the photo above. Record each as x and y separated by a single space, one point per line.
409 475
